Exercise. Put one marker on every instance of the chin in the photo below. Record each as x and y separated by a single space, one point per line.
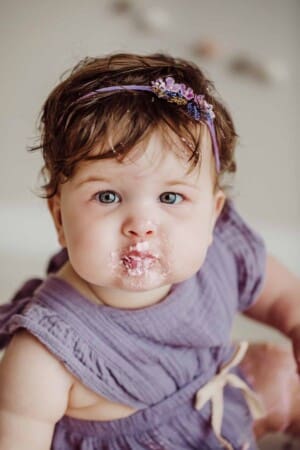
138 285
142 282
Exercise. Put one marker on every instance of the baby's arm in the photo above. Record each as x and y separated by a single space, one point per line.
278 304
34 389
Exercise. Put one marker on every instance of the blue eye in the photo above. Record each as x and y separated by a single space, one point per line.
171 198
107 197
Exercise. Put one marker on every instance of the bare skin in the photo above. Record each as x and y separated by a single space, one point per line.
272 371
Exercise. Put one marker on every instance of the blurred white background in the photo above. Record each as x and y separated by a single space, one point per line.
249 48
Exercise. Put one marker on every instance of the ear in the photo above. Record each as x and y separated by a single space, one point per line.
219 201
54 206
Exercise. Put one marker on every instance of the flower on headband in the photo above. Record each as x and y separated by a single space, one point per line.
206 107
169 90
196 105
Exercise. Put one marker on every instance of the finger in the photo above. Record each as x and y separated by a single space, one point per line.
297 356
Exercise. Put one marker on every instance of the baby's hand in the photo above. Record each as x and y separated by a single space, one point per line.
294 335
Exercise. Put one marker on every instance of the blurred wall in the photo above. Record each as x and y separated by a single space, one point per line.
41 39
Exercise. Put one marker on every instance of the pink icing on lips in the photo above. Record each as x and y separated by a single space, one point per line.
135 261
138 260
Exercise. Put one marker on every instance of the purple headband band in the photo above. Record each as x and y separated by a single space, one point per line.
196 105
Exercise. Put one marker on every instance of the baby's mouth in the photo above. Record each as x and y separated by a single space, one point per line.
138 262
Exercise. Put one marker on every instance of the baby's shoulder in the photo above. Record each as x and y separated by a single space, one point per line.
32 380
29 370
34 391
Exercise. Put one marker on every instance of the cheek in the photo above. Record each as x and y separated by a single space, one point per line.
190 257
84 237
191 246
88 253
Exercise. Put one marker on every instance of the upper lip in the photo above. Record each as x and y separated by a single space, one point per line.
136 254
139 250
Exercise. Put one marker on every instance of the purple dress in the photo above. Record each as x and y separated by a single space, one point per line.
153 359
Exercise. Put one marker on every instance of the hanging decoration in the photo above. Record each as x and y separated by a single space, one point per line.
206 48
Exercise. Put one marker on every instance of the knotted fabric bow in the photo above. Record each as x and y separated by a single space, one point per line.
213 391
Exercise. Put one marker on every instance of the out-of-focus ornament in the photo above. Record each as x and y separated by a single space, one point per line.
121 6
263 71
243 65
151 18
206 48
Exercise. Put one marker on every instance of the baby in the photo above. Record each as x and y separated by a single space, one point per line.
126 343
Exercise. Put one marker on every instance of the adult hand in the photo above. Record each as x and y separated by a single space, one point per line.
294 335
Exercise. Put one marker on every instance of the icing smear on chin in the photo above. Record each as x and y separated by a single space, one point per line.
138 259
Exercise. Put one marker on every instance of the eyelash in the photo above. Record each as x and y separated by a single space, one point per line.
169 193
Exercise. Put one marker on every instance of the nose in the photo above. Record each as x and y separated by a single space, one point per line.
139 228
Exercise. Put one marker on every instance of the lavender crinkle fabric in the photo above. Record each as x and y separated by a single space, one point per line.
153 359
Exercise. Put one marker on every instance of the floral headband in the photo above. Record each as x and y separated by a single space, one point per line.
195 104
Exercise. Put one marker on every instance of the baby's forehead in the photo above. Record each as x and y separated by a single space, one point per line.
172 152
158 156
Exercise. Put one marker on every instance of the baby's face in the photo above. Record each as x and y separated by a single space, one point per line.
139 224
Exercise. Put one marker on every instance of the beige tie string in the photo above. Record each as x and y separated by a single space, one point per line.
213 391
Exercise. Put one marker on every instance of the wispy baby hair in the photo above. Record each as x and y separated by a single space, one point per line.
76 126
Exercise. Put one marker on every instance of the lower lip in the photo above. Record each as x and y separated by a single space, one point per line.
138 265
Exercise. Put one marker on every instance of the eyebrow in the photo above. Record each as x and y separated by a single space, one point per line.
181 182
93 179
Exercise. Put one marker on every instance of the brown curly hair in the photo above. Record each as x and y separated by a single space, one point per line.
72 127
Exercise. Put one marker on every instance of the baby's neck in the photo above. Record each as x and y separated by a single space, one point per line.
115 298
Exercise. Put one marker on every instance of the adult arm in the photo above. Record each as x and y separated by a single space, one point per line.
278 304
